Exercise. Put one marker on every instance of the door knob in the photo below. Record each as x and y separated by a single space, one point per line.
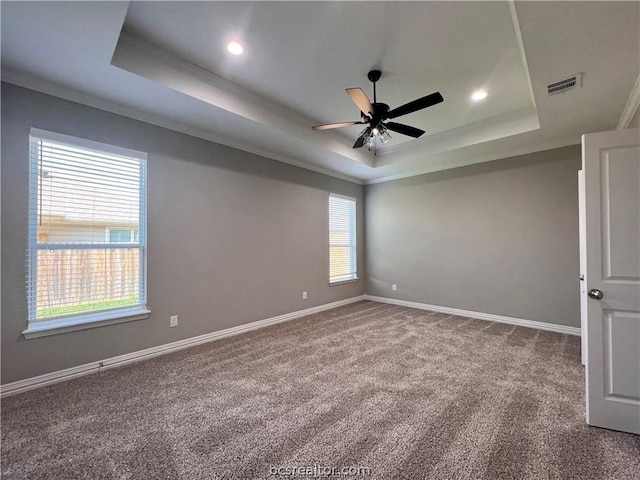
595 294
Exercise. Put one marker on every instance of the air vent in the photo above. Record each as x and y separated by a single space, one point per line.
562 86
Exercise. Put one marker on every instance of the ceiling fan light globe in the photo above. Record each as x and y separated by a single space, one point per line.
371 141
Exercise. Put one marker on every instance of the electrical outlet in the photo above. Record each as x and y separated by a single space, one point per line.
394 287
173 321
304 295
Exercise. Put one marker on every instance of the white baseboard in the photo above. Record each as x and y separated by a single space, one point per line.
93 367
551 327
88 368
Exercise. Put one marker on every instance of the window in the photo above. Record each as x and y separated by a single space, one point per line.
342 239
87 232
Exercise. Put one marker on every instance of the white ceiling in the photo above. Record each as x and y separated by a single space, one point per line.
165 62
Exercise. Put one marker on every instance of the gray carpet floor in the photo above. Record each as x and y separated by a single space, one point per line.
405 393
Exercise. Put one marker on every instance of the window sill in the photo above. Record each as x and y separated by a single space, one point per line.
342 282
71 324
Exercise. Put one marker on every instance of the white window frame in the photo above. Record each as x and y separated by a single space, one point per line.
74 322
353 276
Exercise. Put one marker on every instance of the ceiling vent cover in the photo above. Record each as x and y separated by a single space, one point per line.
566 84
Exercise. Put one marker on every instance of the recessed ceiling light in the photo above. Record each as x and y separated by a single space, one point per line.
479 95
235 48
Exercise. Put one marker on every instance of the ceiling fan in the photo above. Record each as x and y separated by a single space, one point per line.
375 114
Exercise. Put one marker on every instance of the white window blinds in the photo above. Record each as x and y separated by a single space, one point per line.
87 227
342 239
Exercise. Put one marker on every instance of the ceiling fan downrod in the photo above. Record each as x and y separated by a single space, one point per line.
374 76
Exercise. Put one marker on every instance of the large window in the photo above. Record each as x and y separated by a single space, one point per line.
343 262
87 231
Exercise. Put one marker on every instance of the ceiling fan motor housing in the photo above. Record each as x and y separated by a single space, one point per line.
380 113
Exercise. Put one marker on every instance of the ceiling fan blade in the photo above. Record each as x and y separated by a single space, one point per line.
404 129
361 100
416 105
335 125
362 138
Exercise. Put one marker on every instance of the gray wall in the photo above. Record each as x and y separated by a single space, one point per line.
498 237
233 237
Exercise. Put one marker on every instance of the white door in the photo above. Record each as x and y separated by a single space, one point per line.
583 266
611 165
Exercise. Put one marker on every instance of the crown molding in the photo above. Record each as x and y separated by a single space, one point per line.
136 55
476 159
523 55
631 107
54 89
494 128
50 88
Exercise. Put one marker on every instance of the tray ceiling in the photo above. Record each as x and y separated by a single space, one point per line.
166 62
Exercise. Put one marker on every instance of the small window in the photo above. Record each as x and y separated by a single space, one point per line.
343 262
87 230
